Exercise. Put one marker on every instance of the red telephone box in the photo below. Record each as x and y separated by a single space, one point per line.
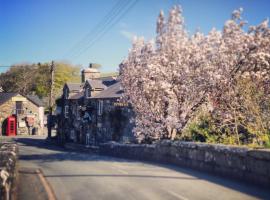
11 126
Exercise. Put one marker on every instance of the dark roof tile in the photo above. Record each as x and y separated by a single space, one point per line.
76 95
74 86
114 91
96 84
35 100
5 96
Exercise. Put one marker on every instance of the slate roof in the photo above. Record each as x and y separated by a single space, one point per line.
96 84
108 81
114 91
5 96
35 100
74 86
77 95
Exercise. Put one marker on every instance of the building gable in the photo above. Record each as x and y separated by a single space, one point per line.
94 84
4 97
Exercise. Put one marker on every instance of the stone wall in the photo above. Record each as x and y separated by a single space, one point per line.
249 165
90 128
114 122
8 170
8 108
32 109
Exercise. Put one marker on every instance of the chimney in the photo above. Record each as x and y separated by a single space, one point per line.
91 73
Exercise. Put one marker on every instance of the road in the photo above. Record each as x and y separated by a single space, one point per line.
90 176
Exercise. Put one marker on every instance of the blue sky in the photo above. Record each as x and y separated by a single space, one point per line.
42 30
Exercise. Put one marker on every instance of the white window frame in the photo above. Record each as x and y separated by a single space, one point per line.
74 109
87 92
66 94
78 112
100 107
66 111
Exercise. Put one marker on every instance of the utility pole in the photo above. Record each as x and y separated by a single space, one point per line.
50 120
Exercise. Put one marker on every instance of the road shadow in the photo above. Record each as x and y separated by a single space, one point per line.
120 176
38 142
58 154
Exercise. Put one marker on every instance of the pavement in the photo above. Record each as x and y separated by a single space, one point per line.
76 175
33 185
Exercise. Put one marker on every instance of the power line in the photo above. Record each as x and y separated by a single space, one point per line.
97 26
118 11
100 26
103 32
103 26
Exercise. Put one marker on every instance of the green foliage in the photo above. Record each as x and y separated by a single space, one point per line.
204 128
65 73
35 78
42 82
255 109
246 120
18 78
267 140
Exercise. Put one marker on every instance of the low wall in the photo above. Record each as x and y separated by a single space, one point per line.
235 162
8 170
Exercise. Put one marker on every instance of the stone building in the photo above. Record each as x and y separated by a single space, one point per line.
28 111
112 115
93 112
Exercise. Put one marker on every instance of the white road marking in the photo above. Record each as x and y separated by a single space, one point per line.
119 170
122 171
177 195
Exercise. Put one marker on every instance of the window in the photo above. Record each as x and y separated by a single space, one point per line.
100 107
66 94
19 107
66 112
87 92
78 112
74 109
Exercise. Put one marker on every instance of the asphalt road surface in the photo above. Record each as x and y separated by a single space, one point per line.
74 175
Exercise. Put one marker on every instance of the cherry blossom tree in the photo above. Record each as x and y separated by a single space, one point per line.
241 99
166 81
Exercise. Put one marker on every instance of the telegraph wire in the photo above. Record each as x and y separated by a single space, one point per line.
95 28
120 5
103 32
118 11
104 26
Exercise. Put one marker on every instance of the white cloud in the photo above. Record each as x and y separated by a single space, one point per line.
127 34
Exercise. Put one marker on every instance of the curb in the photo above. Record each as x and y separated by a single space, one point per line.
46 185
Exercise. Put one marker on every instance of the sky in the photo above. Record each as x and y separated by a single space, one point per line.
34 31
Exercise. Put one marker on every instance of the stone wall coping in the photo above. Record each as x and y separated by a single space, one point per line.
220 148
244 163
263 154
